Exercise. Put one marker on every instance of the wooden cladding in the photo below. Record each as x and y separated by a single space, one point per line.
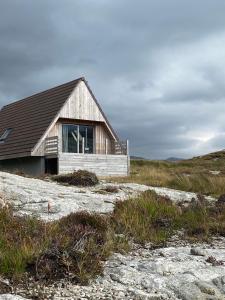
51 146
102 165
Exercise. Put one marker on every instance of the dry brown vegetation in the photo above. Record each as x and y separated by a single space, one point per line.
78 178
195 175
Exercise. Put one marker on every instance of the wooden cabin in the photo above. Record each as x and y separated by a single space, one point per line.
58 131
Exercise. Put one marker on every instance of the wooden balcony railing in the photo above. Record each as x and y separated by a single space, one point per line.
112 147
106 147
51 145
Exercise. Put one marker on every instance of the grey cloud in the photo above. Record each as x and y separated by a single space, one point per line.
157 67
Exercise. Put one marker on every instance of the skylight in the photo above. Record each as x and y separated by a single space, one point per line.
5 134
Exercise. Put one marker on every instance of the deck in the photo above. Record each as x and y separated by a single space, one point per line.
113 161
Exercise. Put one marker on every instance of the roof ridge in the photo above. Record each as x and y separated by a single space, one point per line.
45 91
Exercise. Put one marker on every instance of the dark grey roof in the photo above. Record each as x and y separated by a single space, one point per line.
29 118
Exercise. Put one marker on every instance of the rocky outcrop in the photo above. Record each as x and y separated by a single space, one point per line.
51 201
165 273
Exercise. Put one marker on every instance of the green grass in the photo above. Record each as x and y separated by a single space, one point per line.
75 246
151 218
147 218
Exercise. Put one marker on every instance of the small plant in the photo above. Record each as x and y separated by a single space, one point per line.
214 262
78 178
109 189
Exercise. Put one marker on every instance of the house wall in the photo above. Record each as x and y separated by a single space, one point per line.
34 166
81 107
102 165
100 137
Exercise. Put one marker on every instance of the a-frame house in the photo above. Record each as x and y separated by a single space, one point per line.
58 131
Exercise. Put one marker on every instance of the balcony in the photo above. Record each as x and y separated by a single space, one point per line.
53 146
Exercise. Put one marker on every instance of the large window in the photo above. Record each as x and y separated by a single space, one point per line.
77 138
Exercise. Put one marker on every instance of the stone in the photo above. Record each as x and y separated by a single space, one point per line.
219 282
205 288
11 297
189 291
198 252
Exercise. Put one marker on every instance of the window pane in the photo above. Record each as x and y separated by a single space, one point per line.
86 134
5 134
70 138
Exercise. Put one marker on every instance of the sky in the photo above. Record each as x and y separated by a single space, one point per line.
157 67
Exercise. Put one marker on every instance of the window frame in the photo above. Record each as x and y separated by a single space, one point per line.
5 135
78 142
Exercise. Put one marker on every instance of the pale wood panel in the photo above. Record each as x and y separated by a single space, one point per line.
81 106
102 165
101 136
55 131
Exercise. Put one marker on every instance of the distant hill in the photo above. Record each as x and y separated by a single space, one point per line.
219 155
174 159
133 157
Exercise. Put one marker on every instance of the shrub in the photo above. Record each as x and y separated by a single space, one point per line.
21 239
78 178
146 218
76 249
72 247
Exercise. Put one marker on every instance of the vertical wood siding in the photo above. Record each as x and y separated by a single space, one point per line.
81 106
102 165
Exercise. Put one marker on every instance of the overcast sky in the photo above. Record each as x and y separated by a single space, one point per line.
157 67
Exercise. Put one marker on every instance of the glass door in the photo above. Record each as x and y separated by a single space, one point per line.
77 138
70 141
85 139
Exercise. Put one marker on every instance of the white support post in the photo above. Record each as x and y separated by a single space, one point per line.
127 147
83 145
128 159
106 146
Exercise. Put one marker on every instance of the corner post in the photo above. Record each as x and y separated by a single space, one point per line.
128 158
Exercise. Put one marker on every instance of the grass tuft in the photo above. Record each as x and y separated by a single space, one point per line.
146 218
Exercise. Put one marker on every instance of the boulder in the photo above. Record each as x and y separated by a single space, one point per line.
197 251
